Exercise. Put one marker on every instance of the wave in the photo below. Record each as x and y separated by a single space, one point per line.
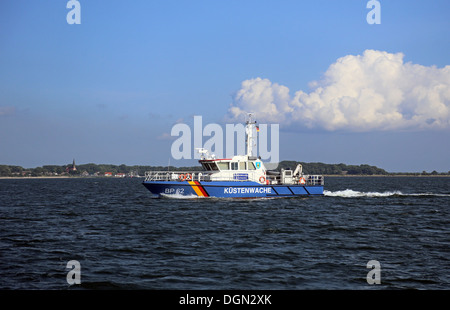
351 193
179 196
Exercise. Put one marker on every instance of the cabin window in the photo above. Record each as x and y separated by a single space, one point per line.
210 166
242 165
223 166
206 166
214 166
234 165
251 166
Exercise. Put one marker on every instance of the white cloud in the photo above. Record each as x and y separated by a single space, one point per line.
373 91
270 101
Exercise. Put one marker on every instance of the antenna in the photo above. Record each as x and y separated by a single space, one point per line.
249 130
204 153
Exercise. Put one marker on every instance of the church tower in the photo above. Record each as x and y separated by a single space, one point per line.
74 168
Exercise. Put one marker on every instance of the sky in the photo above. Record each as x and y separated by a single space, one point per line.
110 89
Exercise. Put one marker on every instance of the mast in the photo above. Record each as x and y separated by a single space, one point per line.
250 133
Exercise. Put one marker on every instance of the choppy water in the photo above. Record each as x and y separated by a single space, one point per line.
122 238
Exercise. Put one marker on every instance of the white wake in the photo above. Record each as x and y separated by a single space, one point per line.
180 196
351 193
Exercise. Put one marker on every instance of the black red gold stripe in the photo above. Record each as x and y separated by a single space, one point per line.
198 188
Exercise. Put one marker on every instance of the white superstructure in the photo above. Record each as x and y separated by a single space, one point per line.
238 168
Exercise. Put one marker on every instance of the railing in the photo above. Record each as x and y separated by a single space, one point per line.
201 176
308 180
204 176
314 179
175 176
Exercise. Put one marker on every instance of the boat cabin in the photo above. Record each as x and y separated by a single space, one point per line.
238 168
236 163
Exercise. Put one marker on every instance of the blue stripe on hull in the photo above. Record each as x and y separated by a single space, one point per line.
300 190
231 189
283 190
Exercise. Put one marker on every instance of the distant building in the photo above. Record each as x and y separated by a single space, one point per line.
71 168
120 175
108 174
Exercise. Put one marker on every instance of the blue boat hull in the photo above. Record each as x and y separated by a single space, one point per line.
230 189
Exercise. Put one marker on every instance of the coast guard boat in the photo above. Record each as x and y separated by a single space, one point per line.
243 176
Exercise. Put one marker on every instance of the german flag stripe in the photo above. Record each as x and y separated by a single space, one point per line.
202 189
198 188
195 188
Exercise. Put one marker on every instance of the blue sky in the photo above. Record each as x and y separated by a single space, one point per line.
110 89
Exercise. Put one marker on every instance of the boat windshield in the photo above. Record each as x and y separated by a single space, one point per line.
210 166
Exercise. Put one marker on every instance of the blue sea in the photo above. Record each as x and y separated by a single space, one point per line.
123 238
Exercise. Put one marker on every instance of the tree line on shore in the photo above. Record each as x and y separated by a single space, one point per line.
136 170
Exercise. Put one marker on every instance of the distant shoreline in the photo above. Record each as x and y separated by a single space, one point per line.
387 175
325 175
66 177
110 170
38 177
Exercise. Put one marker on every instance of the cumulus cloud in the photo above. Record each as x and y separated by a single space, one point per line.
373 91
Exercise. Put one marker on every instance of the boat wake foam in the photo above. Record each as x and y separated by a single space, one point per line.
179 196
349 193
